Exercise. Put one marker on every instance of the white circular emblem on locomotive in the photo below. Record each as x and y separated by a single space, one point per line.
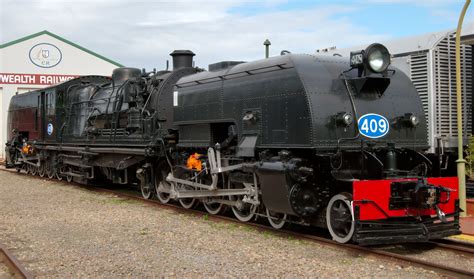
50 129
373 125
45 55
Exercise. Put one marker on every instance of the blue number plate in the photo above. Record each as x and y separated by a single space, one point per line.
373 125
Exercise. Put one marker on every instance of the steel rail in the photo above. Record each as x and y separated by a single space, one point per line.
402 259
465 248
13 264
456 242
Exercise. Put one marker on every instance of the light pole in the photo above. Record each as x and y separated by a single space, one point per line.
461 163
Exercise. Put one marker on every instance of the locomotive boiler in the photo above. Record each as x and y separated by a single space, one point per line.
296 138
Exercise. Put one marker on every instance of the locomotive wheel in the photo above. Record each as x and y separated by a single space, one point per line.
69 177
187 202
162 187
339 218
245 212
33 169
211 206
276 220
214 208
19 167
25 168
147 191
59 176
49 170
42 170
163 197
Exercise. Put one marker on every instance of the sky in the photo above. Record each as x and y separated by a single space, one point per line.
143 33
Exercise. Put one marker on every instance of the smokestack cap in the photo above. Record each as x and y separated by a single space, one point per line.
182 52
182 59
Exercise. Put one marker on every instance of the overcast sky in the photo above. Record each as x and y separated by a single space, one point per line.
143 33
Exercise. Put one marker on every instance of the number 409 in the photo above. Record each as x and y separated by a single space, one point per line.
374 126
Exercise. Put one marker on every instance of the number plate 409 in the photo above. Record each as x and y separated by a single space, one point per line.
373 125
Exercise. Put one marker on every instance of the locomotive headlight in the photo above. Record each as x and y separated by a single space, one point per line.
378 57
374 59
414 121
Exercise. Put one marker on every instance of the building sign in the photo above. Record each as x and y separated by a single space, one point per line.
45 55
40 79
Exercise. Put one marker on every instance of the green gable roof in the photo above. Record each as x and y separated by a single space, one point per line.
61 39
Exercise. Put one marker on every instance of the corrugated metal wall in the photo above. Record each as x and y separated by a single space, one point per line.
434 76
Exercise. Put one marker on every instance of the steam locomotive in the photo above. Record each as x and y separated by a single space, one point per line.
296 138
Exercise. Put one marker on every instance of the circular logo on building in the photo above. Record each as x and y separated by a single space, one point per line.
45 55
50 129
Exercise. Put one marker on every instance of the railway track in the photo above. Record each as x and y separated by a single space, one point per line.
446 244
402 259
14 266
462 247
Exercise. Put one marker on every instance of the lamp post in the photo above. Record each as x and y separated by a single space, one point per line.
461 163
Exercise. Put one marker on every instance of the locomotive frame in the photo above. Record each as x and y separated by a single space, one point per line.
280 137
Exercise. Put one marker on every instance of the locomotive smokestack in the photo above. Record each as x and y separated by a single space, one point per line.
182 59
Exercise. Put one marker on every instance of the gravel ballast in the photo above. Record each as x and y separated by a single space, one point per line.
4 272
59 230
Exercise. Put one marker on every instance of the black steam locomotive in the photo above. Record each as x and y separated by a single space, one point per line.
296 138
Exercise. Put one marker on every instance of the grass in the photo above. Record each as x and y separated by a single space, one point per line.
345 261
118 201
232 226
144 231
267 234
247 228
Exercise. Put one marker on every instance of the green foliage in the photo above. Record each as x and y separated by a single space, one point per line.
470 158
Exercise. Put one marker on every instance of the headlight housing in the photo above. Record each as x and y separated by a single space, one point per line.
378 58
374 59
